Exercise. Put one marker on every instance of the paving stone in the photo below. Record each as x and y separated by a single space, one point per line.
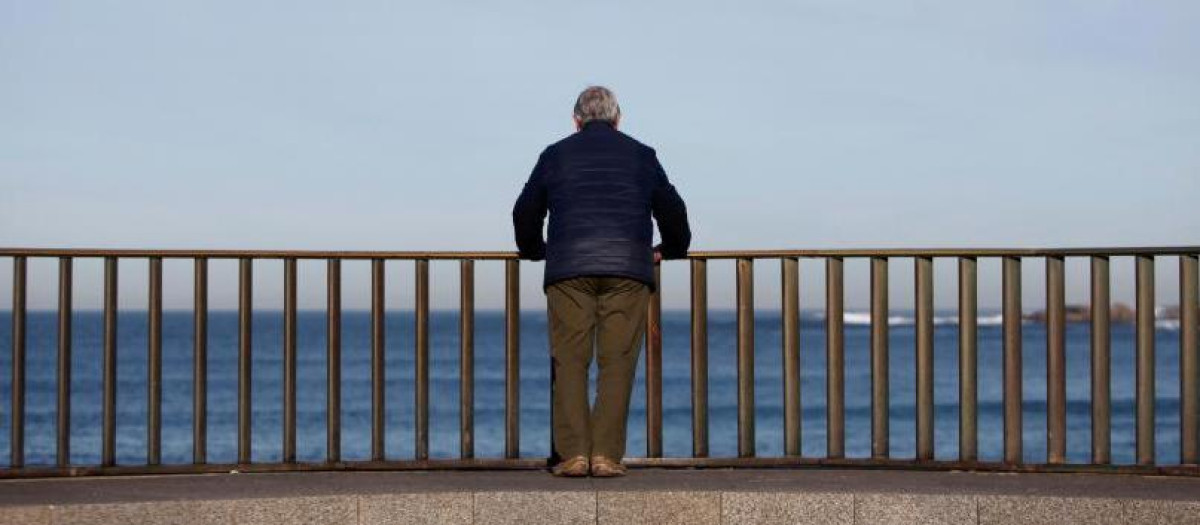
1021 510
813 508
1165 512
647 495
535 508
333 510
658 507
25 515
926 509
145 513
420 508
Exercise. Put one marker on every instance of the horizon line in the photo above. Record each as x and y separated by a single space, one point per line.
865 309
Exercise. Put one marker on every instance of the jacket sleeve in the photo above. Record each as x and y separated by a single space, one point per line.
529 213
670 213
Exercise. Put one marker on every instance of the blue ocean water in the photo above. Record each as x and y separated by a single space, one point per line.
534 389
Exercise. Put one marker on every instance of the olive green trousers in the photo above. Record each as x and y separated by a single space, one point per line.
607 316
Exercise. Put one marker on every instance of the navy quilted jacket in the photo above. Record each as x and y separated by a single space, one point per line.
601 188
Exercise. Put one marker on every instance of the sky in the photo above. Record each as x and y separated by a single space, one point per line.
412 125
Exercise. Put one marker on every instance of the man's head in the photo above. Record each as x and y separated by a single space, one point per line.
597 103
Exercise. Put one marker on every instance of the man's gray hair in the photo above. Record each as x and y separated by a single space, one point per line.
597 103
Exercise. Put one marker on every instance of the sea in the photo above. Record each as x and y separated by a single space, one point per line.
86 387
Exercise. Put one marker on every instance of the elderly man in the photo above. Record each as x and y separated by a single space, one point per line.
600 187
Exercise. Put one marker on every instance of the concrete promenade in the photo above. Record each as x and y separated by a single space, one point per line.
645 496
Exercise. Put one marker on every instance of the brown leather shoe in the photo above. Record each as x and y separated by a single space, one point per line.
603 467
575 467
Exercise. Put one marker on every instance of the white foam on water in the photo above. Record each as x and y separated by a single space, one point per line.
864 318
860 318
1167 324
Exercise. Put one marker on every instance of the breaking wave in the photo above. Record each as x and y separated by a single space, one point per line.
864 319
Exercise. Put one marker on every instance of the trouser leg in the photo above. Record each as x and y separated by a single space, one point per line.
571 306
621 324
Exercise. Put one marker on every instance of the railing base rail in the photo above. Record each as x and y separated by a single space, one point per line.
799 463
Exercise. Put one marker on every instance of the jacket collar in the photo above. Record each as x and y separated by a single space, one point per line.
597 124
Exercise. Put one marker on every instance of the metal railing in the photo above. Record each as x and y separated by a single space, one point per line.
967 259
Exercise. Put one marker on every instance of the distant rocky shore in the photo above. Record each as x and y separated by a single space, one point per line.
1118 313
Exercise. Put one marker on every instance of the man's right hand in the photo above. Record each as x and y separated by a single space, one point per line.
657 257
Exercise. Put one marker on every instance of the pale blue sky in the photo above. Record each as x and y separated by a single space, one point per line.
411 126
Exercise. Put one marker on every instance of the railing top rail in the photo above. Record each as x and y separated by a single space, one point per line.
508 255
946 252
254 254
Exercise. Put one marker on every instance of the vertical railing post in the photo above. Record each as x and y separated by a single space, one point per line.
154 365
968 359
790 268
108 453
378 381
1145 359
835 386
654 368
924 364
1100 354
421 360
200 361
1189 360
880 446
1011 313
512 359
333 360
63 396
289 360
745 357
699 347
17 430
466 359
245 356
1056 362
